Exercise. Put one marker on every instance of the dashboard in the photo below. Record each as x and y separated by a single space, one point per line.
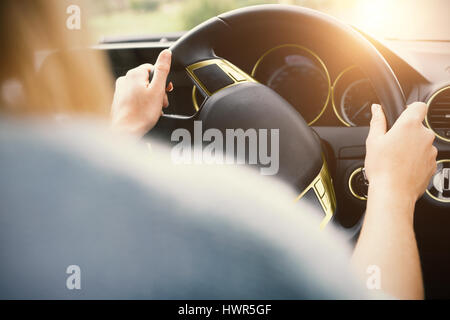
319 80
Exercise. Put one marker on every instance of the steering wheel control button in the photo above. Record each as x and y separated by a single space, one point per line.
439 186
323 190
358 184
319 188
236 76
213 77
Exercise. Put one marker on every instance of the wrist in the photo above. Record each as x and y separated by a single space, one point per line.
133 129
391 199
392 188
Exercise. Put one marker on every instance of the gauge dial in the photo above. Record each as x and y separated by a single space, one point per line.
299 76
353 95
356 102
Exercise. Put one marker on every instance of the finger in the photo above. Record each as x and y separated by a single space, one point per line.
430 135
378 122
415 112
119 81
144 71
165 101
169 87
146 66
434 153
161 69
140 71
432 165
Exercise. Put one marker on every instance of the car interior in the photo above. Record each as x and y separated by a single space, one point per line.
324 90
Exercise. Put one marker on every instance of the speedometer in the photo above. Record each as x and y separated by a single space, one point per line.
299 76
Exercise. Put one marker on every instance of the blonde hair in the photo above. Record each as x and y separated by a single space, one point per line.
71 80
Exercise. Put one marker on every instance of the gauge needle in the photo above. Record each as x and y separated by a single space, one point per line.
360 109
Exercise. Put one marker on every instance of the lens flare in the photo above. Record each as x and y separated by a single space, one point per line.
404 19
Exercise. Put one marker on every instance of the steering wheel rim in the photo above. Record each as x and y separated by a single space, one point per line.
198 45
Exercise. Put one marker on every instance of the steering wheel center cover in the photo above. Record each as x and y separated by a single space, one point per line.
198 44
254 106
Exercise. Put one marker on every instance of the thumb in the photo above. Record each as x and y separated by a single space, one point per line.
378 122
161 71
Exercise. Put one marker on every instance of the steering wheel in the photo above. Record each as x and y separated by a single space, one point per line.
235 100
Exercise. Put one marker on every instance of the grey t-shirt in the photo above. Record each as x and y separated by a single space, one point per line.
139 227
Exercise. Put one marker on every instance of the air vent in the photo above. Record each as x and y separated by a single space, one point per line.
438 117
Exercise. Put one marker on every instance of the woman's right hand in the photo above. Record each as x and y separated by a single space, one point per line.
399 165
402 159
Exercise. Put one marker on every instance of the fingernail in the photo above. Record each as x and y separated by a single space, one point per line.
375 109
166 54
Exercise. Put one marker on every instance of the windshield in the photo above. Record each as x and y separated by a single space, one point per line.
389 19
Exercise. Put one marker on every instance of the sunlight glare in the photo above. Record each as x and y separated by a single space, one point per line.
374 16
